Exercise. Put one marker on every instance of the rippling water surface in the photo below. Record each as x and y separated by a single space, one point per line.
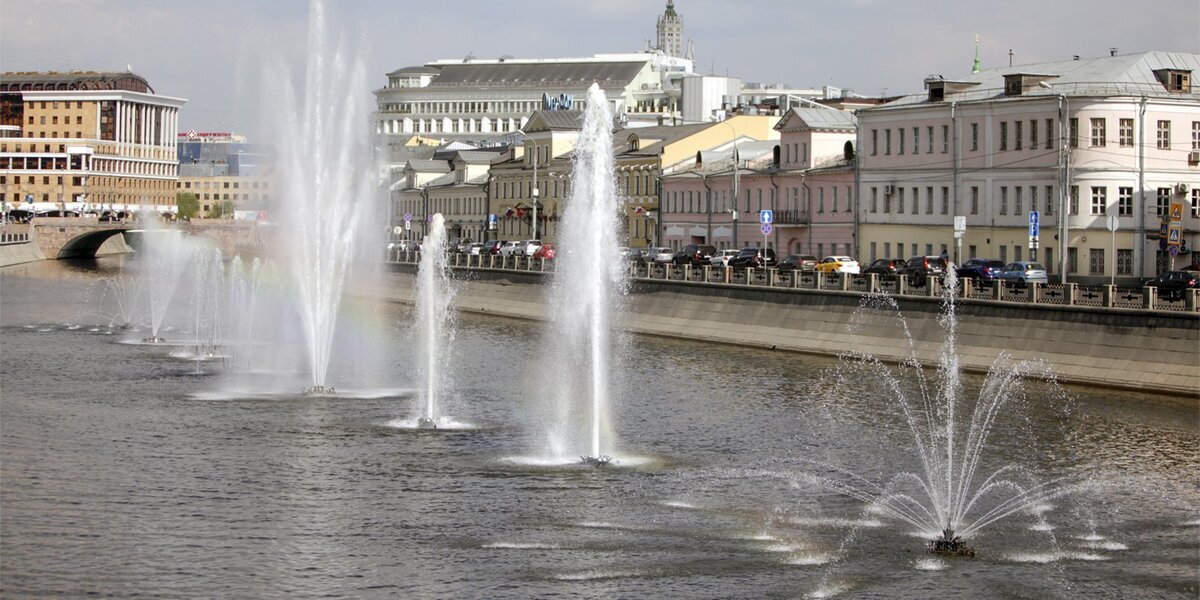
124 471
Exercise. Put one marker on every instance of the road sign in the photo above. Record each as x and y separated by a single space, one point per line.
407 216
766 217
1033 231
408 225
1033 217
1033 244
1174 250
1174 234
766 228
1112 222
397 229
1176 210
492 221
960 224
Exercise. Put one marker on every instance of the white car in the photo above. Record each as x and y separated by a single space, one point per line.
528 247
721 258
473 249
839 264
510 249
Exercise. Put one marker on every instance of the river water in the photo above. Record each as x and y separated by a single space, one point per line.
122 474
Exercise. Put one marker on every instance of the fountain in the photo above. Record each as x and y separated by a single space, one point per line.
584 296
166 252
324 163
433 318
951 498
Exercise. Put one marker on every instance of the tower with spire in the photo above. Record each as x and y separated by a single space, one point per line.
670 32
977 66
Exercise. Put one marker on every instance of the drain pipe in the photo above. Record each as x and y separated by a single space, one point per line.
1139 244
808 214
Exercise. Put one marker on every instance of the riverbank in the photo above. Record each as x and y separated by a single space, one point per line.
1124 349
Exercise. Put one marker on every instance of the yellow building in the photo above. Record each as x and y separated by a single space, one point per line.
86 142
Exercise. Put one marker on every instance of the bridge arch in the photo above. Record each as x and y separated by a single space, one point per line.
86 245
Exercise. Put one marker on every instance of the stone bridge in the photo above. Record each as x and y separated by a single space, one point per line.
76 237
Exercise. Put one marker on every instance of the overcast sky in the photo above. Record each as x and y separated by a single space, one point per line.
213 52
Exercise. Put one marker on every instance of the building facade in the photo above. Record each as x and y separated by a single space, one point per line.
86 142
1076 141
228 175
453 183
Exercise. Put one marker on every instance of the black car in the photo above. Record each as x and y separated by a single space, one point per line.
754 257
1173 284
798 262
886 267
980 269
920 268
695 254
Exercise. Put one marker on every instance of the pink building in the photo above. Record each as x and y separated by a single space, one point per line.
806 179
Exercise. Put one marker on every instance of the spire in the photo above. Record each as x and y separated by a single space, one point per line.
670 9
975 68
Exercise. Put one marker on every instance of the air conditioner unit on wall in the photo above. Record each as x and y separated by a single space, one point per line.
1181 188
1194 157
888 190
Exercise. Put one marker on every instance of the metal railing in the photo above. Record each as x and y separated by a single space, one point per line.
1071 294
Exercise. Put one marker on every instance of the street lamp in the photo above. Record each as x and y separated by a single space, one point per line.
1064 167
733 211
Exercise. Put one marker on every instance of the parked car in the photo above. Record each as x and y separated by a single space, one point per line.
754 257
473 249
457 244
528 247
659 255
980 269
798 262
695 254
838 264
1023 272
492 247
721 257
920 268
886 268
545 251
510 248
1172 284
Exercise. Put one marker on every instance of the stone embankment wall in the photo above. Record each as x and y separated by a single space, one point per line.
1132 349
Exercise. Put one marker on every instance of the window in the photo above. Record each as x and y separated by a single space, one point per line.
887 202
1098 130
887 141
1003 253
1125 201
874 142
945 200
1049 133
974 200
899 200
1196 202
1018 134
972 251
929 134
1033 134
1125 132
916 200
1073 136
820 200
873 255
1099 200
900 132
1049 201
874 199
1164 135
1018 206
1125 262
1074 200
916 140
1004 200
1164 202
1072 260
1096 261
929 200
1195 135
1016 253
974 137
1033 197
1003 136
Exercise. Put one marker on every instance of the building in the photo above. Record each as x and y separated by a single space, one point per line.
451 182
1115 136
806 178
86 142
488 101
227 174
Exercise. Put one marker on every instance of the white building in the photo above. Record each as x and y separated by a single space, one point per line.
1122 132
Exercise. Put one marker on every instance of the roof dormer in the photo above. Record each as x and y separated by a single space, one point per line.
1177 81
940 88
1016 84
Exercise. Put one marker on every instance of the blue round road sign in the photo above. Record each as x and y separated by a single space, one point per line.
766 228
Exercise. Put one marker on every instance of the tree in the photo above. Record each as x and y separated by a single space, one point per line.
221 210
188 203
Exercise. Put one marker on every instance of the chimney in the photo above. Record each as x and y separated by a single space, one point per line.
1112 51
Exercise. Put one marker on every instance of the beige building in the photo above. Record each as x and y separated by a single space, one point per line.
86 142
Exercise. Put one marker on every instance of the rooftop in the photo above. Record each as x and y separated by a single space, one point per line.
26 81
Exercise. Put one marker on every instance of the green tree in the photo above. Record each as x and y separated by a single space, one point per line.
221 210
188 203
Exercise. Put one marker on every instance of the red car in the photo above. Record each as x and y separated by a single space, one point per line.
545 251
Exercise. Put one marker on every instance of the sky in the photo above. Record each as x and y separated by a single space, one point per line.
217 53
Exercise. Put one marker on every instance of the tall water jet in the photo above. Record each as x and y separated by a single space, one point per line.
584 296
165 253
433 318
326 184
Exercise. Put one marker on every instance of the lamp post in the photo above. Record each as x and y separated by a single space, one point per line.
1064 168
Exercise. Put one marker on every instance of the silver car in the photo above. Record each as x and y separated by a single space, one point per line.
510 249
660 255
721 258
1023 272
529 247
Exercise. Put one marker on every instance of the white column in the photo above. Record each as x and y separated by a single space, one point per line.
118 123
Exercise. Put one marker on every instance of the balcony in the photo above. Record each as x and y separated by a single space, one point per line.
791 217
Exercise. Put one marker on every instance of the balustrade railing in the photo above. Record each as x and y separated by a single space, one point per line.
1105 296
